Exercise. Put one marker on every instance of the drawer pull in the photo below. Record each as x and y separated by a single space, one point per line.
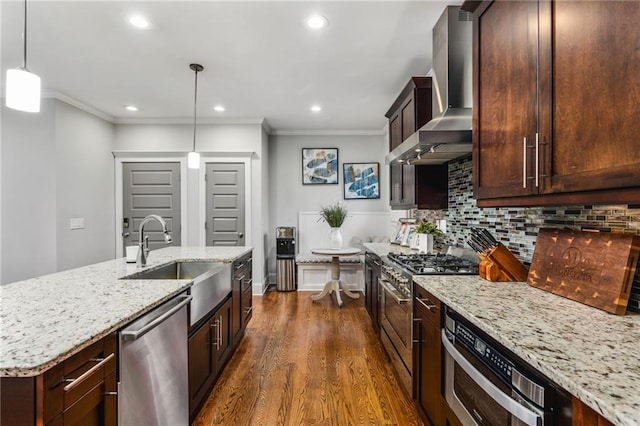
110 394
249 309
240 278
84 376
430 307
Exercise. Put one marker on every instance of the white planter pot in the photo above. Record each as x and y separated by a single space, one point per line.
335 238
425 243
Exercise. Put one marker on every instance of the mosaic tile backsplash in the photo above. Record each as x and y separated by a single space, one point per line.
517 227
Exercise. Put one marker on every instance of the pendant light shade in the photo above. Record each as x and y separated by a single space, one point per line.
23 86
23 90
193 158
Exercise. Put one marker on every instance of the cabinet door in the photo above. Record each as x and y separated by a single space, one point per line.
408 185
395 181
201 367
395 131
427 356
505 98
221 327
236 301
428 387
596 101
408 112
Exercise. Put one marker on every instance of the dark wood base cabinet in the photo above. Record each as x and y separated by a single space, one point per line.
79 391
585 416
372 269
212 343
427 356
242 296
210 347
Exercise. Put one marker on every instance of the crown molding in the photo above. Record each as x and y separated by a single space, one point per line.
327 133
73 102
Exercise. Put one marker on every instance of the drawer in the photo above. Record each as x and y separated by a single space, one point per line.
428 305
247 305
71 380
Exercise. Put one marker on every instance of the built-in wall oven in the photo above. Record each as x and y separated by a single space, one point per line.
484 384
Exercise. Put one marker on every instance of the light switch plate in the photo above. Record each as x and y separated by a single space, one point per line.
76 223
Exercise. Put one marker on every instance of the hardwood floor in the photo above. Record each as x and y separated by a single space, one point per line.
304 363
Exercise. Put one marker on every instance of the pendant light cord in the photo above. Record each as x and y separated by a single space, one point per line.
24 36
195 110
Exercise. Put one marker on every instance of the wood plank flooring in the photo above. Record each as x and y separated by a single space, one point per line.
304 363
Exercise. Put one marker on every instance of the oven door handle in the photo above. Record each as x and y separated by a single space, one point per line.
392 292
529 417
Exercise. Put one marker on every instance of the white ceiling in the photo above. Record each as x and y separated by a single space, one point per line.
260 60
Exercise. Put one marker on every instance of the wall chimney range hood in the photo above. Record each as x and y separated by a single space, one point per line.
448 135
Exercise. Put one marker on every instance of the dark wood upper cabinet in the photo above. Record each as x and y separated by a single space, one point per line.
555 103
422 187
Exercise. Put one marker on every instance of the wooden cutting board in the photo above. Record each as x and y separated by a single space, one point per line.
594 268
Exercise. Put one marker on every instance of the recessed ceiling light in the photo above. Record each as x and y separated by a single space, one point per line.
418 150
219 108
316 108
316 22
131 108
139 21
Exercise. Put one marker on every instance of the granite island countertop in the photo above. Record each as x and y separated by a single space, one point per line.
47 319
592 354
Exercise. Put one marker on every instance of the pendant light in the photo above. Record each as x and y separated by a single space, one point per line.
193 158
23 86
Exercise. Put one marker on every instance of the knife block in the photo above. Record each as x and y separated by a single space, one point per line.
499 264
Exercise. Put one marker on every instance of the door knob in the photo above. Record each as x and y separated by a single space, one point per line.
126 234
240 235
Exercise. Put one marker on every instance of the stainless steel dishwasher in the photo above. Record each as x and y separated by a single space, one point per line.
153 387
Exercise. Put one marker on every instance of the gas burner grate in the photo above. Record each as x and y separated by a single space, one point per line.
434 264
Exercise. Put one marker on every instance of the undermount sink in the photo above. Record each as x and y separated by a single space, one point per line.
211 283
176 271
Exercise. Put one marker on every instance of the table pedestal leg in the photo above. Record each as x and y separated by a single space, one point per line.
335 284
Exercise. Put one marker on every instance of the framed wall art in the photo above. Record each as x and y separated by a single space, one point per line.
319 166
361 181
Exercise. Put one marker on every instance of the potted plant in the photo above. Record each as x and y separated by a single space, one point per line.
334 216
426 231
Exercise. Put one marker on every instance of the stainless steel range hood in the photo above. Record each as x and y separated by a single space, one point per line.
448 134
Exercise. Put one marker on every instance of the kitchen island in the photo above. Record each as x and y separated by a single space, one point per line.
48 319
593 355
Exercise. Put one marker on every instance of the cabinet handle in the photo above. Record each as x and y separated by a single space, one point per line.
537 160
220 332
73 383
249 309
240 278
216 327
524 162
424 302
110 394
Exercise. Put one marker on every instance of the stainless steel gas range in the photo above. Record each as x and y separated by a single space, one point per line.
396 310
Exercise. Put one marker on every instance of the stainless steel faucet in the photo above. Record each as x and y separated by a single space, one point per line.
143 243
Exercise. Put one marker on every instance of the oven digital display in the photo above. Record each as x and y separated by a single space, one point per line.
480 346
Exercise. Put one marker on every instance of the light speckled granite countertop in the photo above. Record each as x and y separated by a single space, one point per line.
45 320
590 353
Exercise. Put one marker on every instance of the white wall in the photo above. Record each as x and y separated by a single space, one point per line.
55 165
28 192
84 187
288 195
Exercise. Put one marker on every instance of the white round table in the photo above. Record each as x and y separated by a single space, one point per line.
335 285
